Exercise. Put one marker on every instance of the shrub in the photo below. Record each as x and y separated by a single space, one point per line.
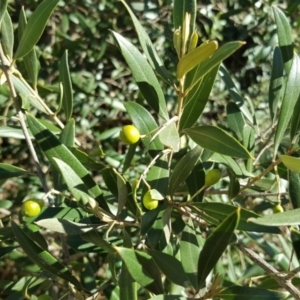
210 231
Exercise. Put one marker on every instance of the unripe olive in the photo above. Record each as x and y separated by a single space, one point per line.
278 209
31 207
150 201
129 134
212 177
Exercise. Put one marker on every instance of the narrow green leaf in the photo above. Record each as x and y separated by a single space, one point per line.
142 269
197 98
144 76
9 171
217 140
170 297
295 122
65 78
235 93
94 237
183 169
67 136
286 218
158 235
195 181
148 48
128 287
7 35
219 212
73 181
238 168
158 176
170 137
145 123
30 60
122 192
195 57
294 188
291 162
170 266
295 238
235 120
189 252
35 27
66 226
43 258
251 293
210 254
234 185
180 9
129 157
276 83
219 55
285 37
22 89
291 94
3 6
52 147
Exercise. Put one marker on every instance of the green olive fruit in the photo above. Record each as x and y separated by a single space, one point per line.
129 134
149 201
212 177
278 209
31 207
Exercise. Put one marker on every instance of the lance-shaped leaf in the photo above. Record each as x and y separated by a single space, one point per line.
217 140
195 181
294 188
215 245
3 6
286 218
295 238
30 60
195 57
53 148
170 266
128 287
291 162
291 94
251 293
65 78
276 83
142 269
295 122
35 27
9 171
180 9
235 93
235 120
219 55
197 98
217 212
285 38
189 252
66 226
94 237
42 257
183 169
148 47
144 76
238 168
7 35
158 175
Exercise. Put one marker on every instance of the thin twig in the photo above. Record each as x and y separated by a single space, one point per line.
281 279
6 69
